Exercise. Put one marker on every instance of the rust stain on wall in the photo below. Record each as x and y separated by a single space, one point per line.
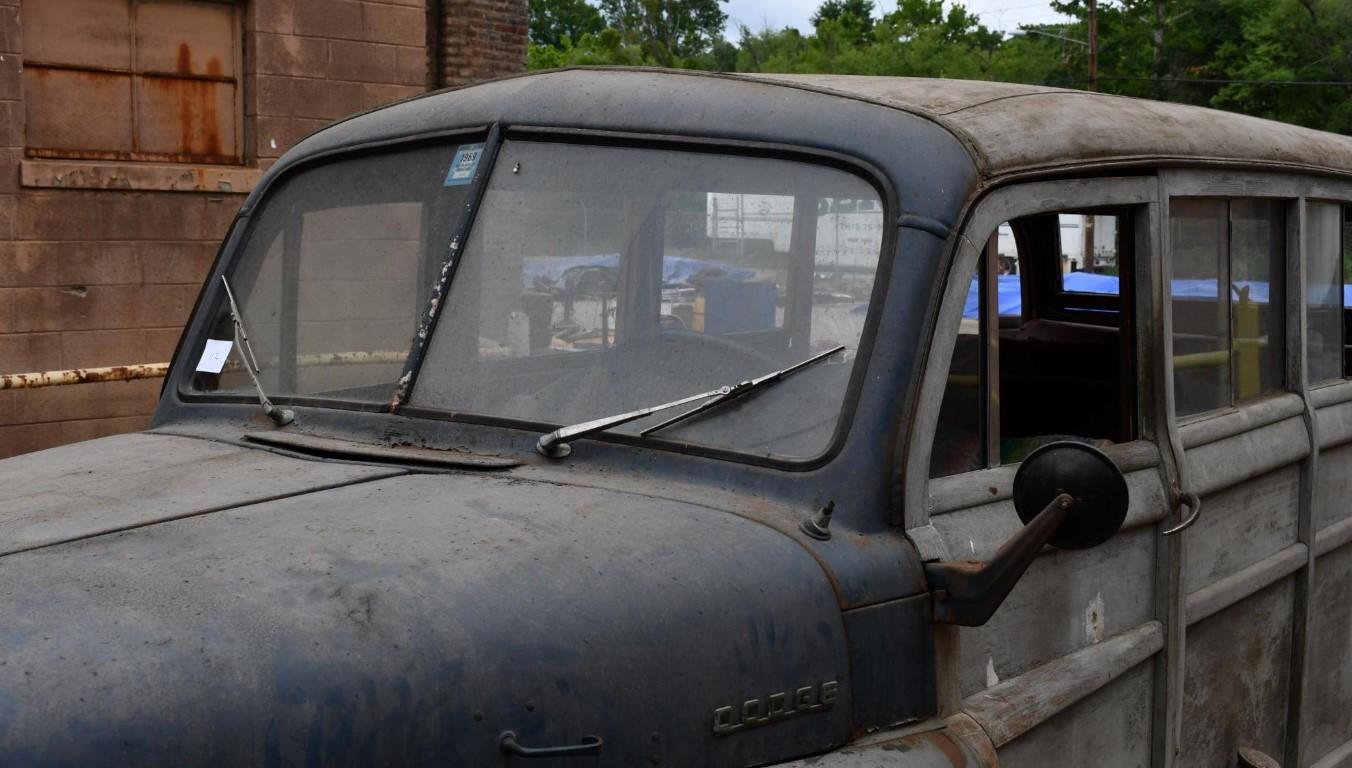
199 121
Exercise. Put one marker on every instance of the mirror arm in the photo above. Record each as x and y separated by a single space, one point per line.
967 592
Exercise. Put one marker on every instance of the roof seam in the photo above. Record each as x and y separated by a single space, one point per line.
966 107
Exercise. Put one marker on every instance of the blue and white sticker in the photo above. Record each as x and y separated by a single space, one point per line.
464 164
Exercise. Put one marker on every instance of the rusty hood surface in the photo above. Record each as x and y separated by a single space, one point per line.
176 601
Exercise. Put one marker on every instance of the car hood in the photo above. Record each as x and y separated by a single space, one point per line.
123 482
248 607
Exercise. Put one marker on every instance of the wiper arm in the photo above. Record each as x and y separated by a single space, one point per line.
745 388
556 444
282 416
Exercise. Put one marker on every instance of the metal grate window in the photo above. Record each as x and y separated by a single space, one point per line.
154 80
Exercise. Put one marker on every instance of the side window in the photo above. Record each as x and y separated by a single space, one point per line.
1063 356
1324 289
1227 290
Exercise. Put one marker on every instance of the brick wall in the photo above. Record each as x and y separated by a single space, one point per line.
94 277
482 39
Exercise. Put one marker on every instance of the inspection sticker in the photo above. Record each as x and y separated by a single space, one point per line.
464 164
213 357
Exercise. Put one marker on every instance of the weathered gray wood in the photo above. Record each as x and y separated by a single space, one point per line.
1235 692
1297 378
1333 538
1327 725
1016 706
1110 728
1229 462
1241 526
1166 728
1338 758
1331 394
1208 428
1333 486
1335 424
972 489
1064 602
1222 594
1236 183
975 532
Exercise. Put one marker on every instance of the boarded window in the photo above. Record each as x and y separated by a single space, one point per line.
133 80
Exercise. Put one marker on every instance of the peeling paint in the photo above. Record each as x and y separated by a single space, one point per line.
992 679
82 376
1094 621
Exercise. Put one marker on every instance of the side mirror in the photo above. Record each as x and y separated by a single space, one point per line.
1069 495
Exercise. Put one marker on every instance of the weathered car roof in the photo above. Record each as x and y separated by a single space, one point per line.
1012 127
1006 127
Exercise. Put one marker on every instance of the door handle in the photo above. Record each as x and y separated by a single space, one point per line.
591 745
1194 505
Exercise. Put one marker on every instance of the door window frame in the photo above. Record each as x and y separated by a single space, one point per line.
1138 193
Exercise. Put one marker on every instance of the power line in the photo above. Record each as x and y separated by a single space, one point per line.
1223 81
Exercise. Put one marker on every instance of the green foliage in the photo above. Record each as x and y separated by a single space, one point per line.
554 23
1283 59
670 32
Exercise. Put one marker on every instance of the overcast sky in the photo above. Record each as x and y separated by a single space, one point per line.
1003 15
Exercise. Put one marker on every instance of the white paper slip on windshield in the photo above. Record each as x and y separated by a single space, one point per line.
213 357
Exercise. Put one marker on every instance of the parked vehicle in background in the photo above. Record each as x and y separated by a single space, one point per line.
628 417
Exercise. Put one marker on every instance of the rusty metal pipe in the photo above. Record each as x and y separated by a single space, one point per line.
38 379
82 376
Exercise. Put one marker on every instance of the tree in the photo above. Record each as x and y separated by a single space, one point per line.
554 21
1289 60
671 32
1295 50
853 17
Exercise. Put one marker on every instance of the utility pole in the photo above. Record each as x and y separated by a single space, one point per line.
1093 45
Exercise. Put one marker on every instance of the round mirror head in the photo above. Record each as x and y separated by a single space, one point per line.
1085 473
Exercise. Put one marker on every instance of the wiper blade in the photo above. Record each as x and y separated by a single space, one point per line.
282 416
556 444
744 388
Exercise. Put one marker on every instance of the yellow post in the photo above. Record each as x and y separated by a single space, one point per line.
1248 347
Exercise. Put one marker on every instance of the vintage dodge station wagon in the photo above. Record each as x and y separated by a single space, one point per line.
630 417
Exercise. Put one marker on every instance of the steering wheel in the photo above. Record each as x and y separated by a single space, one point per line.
718 354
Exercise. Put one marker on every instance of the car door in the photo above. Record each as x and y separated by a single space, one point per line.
1069 670
1267 650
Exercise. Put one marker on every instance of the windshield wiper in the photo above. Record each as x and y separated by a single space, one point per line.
555 444
282 416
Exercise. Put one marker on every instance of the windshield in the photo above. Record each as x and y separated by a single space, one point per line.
595 280
334 273
604 279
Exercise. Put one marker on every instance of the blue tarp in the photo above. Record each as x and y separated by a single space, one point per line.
1010 299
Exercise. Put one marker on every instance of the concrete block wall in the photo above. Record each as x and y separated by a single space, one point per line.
107 276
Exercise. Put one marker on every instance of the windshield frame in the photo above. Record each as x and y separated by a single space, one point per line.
211 298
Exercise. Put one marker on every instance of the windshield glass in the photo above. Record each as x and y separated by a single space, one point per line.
334 274
598 280
595 280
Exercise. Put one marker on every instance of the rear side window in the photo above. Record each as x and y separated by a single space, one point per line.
1226 296
1324 290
